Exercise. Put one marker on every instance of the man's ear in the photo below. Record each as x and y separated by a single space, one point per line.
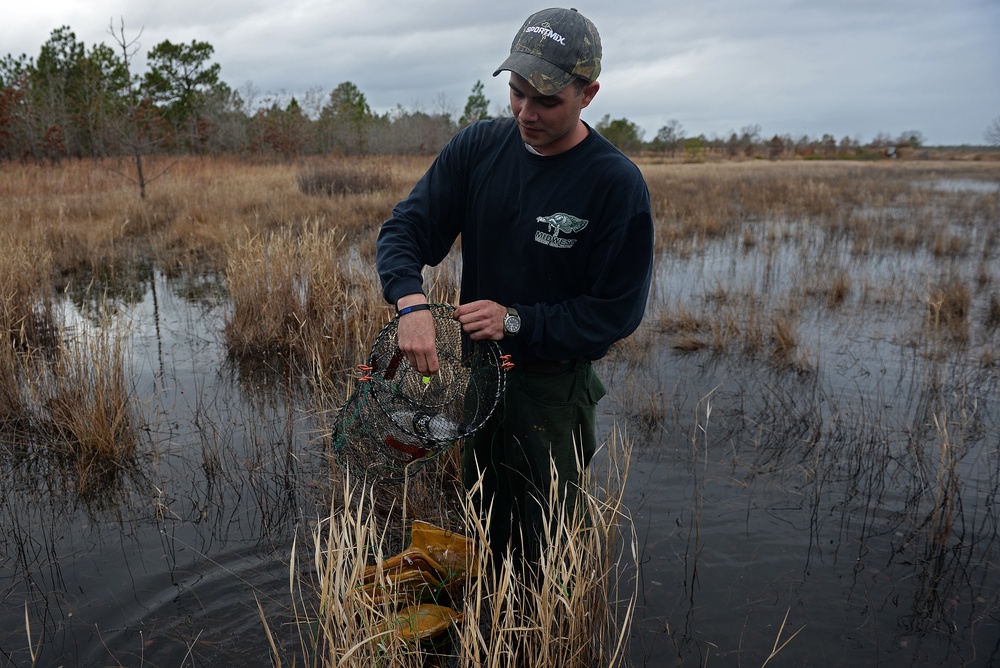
588 93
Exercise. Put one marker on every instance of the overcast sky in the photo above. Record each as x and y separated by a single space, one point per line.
844 67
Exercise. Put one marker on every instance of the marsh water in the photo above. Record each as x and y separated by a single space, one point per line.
839 505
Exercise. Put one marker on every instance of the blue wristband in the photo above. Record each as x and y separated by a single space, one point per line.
415 307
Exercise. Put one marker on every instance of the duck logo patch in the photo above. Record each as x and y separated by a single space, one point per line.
556 224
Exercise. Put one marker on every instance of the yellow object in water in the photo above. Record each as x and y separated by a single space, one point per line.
422 622
408 577
436 566
454 554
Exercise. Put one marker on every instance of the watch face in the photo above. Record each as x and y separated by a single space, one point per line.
511 324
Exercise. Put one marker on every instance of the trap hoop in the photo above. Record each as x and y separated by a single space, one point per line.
397 418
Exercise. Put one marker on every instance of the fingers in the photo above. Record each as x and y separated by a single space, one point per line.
481 319
415 338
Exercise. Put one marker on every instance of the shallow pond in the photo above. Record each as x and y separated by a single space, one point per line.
845 503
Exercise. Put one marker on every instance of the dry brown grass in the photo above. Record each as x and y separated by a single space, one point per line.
27 320
684 328
948 309
835 223
306 297
86 213
840 288
949 244
27 324
784 338
874 204
296 243
88 408
73 407
578 614
338 177
68 395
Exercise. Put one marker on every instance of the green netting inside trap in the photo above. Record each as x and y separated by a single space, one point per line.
397 418
368 444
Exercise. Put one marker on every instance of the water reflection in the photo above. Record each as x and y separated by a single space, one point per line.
846 502
782 497
163 562
855 494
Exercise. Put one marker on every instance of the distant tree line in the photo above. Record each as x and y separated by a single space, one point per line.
74 101
671 140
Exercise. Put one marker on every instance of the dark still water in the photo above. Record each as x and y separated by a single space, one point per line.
164 566
779 511
841 499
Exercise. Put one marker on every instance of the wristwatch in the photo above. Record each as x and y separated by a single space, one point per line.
511 323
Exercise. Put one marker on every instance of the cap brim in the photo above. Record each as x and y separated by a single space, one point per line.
546 78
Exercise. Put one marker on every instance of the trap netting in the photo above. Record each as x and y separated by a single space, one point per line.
396 418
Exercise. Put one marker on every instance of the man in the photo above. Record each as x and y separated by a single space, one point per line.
557 240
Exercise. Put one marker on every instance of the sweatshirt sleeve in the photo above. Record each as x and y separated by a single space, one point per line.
422 227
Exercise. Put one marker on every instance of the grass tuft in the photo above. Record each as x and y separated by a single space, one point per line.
948 309
85 409
344 178
574 614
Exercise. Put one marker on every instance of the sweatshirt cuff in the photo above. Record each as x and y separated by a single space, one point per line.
397 290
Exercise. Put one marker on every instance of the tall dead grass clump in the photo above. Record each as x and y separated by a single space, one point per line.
27 318
784 338
303 295
344 178
948 245
264 276
86 407
338 621
685 328
362 607
948 309
724 331
840 288
27 324
753 328
577 610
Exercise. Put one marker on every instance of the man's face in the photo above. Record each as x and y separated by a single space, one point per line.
549 123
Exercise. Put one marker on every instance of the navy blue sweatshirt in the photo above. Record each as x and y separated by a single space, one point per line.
567 239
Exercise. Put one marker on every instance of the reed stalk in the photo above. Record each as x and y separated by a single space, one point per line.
576 612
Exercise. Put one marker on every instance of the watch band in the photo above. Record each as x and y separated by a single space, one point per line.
512 317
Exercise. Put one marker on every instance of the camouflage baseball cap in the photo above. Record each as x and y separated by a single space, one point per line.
553 47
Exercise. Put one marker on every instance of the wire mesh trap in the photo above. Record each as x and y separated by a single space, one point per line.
397 419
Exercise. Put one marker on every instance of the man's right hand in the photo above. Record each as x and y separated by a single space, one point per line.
415 335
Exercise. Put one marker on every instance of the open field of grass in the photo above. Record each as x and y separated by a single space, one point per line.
822 341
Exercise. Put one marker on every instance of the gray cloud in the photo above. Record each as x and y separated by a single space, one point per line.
851 67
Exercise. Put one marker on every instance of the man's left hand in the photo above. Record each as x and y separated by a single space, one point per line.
481 319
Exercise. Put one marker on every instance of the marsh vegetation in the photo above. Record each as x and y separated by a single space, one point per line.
803 438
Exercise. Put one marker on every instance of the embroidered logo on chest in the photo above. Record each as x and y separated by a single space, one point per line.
556 224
